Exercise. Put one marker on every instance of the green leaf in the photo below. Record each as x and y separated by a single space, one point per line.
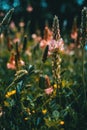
42 82
31 69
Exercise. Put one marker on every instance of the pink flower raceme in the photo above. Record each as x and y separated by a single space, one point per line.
47 38
49 88
56 45
53 44
74 35
43 43
74 32
12 65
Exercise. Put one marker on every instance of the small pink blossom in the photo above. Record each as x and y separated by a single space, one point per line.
74 35
16 40
2 35
11 65
56 45
36 38
49 90
21 24
29 8
44 43
12 25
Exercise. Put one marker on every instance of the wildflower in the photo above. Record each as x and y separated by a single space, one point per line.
33 36
28 111
55 86
1 35
47 38
74 35
37 79
61 122
21 24
29 8
43 43
49 90
44 111
56 43
12 25
26 118
6 104
33 111
10 93
47 80
1 111
84 26
21 62
11 63
74 32
36 38
18 61
56 46
15 40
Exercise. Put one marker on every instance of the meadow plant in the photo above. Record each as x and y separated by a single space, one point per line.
42 90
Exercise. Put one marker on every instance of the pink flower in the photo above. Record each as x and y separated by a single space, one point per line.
49 90
21 24
16 40
56 45
74 35
11 65
12 25
22 63
47 38
29 8
36 38
44 43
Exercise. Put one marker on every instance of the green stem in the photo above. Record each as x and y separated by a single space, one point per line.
57 87
83 74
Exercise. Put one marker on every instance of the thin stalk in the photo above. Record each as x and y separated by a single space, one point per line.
57 87
83 74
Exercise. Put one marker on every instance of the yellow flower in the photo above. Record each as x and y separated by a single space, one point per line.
44 111
10 93
37 79
55 86
62 129
26 118
61 122
64 83
6 103
33 111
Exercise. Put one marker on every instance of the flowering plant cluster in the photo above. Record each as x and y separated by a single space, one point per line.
43 84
